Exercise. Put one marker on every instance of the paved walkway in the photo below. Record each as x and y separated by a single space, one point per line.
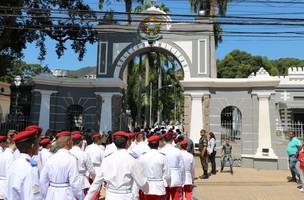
247 184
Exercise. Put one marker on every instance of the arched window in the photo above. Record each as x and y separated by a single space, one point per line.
231 123
74 117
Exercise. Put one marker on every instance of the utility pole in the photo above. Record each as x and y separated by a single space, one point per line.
158 88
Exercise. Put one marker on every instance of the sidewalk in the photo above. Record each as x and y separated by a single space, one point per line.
246 184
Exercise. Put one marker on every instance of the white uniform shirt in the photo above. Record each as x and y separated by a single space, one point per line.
139 149
156 170
136 151
23 180
189 167
6 160
211 146
133 144
96 154
84 164
42 157
176 165
16 153
60 177
110 148
119 171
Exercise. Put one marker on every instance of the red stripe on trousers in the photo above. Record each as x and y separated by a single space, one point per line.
176 193
188 192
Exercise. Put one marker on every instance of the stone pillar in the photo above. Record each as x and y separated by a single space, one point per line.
264 146
196 116
44 114
106 110
206 104
187 113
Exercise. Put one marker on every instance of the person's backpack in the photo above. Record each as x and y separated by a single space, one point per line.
301 159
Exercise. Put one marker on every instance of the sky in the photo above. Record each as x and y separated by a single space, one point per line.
273 48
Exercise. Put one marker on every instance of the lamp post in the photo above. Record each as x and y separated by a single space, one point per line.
17 82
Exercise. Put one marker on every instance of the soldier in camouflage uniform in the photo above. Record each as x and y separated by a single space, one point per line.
203 144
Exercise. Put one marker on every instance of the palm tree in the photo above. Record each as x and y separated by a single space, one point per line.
212 8
128 6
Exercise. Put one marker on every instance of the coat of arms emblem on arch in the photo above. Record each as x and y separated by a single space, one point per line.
150 28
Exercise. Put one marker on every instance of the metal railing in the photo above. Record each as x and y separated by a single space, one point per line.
296 126
230 130
13 123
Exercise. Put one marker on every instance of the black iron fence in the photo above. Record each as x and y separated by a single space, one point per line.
230 130
13 123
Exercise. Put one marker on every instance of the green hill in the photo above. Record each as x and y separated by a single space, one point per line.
81 72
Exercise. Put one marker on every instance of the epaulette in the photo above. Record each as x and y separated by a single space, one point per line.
162 153
32 162
134 155
108 155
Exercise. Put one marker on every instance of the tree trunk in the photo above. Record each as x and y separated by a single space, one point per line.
213 6
146 99
139 93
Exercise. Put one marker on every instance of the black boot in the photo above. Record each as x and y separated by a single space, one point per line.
205 175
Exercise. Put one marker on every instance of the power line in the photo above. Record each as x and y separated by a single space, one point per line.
66 11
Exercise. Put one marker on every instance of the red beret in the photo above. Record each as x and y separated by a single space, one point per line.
184 142
76 136
76 132
2 137
121 133
33 127
45 141
95 135
154 138
62 133
24 135
168 133
132 134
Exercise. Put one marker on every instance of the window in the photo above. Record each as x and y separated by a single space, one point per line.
74 118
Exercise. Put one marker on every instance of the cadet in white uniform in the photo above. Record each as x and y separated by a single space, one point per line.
60 177
189 169
23 176
140 147
44 153
176 166
6 160
156 170
132 140
84 162
136 151
119 170
10 135
95 152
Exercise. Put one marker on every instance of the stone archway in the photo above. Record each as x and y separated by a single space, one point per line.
134 50
180 56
